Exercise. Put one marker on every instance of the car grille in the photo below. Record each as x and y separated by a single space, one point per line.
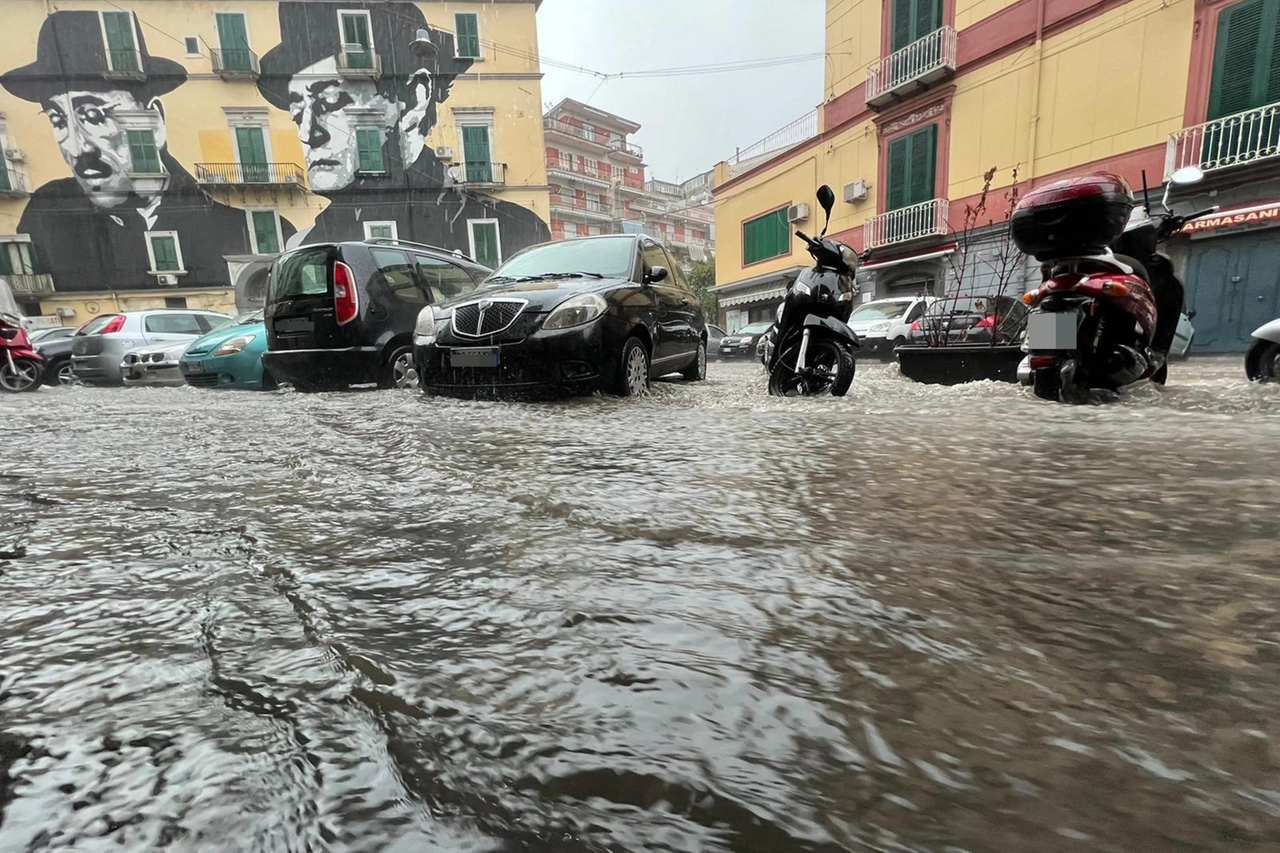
203 380
486 317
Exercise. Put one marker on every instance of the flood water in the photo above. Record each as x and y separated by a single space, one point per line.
914 619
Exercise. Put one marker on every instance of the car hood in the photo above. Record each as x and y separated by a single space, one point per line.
542 296
214 339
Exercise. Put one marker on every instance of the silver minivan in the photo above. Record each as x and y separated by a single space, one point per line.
101 344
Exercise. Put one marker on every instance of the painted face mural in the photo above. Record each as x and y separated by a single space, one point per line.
87 128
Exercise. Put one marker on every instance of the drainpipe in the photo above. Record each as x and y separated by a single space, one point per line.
1035 93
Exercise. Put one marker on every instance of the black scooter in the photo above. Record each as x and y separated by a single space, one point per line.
811 350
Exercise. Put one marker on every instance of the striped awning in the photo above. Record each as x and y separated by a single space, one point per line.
761 293
759 288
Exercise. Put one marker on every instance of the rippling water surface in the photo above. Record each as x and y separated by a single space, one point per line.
915 619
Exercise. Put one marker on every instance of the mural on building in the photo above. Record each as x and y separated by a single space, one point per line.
129 210
364 83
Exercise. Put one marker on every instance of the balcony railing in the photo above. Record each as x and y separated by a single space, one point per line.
236 62
1252 136
354 62
490 174
928 219
29 282
580 206
260 174
915 66
556 125
621 146
574 168
13 184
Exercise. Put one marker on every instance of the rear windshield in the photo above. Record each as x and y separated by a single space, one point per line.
96 325
301 273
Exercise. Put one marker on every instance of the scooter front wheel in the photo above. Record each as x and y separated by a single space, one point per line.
23 374
829 369
1262 364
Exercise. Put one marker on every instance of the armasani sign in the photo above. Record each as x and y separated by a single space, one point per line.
1254 215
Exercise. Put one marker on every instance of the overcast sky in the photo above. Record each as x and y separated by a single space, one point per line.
691 122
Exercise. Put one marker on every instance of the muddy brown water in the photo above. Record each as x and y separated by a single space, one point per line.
915 619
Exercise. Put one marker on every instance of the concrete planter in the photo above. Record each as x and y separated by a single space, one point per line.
957 364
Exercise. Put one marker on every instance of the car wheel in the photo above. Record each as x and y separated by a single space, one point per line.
1263 362
268 382
59 373
633 369
697 371
899 341
400 371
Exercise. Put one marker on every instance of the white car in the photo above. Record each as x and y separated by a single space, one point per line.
154 365
882 324
99 346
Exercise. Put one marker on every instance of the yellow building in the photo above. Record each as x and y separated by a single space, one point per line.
162 152
922 99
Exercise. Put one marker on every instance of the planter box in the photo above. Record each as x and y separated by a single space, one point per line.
957 364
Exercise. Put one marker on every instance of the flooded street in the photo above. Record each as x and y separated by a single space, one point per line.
912 619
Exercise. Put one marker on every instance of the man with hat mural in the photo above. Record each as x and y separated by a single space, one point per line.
399 180
91 231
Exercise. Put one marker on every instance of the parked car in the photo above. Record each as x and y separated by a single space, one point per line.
153 365
50 334
606 313
99 346
742 343
56 350
876 322
715 335
342 314
230 357
971 320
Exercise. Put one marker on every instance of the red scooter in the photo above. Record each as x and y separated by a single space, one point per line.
21 367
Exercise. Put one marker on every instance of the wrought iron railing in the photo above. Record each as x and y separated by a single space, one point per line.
921 59
1235 140
249 173
928 219
781 140
475 172
595 137
238 60
363 63
581 205
13 181
29 282
577 169
621 146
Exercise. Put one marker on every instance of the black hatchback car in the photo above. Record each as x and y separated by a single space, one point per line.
342 314
600 313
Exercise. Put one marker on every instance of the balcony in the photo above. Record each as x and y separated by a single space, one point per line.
1249 137
909 223
582 173
484 174
905 72
625 149
30 283
359 64
236 64
13 184
573 131
580 208
250 174
124 64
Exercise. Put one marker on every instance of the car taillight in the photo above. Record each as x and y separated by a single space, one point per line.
114 325
345 302
986 323
915 327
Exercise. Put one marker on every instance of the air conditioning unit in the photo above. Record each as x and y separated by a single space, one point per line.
65 311
168 279
856 191
798 213
15 154
444 152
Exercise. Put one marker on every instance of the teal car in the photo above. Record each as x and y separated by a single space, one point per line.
229 357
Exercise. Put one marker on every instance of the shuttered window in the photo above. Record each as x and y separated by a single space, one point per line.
164 249
369 148
265 234
484 242
467 25
1246 58
766 237
143 153
913 20
118 27
913 161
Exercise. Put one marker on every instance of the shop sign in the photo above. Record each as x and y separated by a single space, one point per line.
1256 214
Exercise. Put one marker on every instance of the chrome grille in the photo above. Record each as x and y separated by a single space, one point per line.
486 317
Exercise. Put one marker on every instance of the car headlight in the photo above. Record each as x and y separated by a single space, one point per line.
801 288
232 346
426 325
576 311
879 327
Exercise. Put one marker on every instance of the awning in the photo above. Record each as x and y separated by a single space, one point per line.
758 288
923 255
759 293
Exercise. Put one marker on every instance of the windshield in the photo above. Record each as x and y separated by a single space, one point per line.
755 329
879 311
612 257
301 273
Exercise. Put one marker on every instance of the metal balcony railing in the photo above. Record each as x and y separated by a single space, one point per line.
29 282
621 146
493 174
281 174
235 62
928 219
556 125
924 61
586 207
13 182
1252 136
573 167
354 62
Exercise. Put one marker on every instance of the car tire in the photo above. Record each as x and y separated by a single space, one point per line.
400 371
899 341
268 382
697 371
632 378
1262 364
59 373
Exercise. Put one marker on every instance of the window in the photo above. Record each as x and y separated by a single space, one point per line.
589 132
210 322
173 324
911 168
467 25
765 237
399 277
913 20
264 225
15 259
443 279
653 256
380 231
175 302
122 53
301 273
357 46
193 45
476 154
486 248
369 149
143 153
591 167
35 309
233 39
1246 59
251 147
166 255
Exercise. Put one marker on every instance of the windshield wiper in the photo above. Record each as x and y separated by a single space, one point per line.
548 276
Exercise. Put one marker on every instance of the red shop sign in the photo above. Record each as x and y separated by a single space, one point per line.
1267 213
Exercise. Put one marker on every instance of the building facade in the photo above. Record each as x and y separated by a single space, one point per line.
921 100
599 186
159 152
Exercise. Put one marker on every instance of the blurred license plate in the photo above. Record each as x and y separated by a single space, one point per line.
1052 331
475 357
293 325
193 367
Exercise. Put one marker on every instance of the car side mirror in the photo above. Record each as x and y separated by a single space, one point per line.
655 275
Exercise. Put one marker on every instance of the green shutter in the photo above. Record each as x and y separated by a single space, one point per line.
119 30
6 265
766 237
234 41
913 20
485 235
355 30
4 175
899 151
475 152
924 154
143 153
902 30
253 155
1246 58
380 232
165 250
369 148
265 235
468 34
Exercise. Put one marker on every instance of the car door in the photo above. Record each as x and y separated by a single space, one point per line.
169 328
692 322
670 342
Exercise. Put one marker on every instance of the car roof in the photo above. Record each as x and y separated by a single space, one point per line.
149 311
454 255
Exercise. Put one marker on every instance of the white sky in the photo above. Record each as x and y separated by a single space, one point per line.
692 122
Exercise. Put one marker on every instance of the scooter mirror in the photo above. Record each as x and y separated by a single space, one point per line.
826 198
1187 175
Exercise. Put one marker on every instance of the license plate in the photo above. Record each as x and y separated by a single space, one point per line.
475 357
193 367
293 325
1052 331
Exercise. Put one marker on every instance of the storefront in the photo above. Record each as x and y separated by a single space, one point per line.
753 300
